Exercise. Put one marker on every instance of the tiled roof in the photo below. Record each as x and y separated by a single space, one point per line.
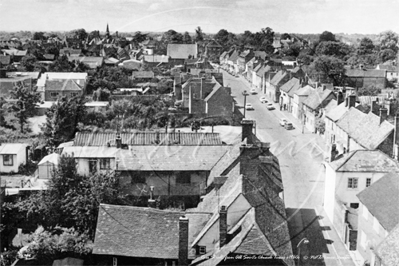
141 232
182 51
263 70
289 85
170 158
213 43
317 98
367 73
336 113
62 85
388 249
234 56
390 68
149 138
365 129
215 88
381 200
278 77
305 91
143 74
365 161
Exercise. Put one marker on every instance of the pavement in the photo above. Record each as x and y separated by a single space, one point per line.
301 157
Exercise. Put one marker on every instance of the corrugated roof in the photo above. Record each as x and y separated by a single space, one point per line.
388 249
142 232
182 51
12 148
149 138
381 200
365 129
170 158
365 161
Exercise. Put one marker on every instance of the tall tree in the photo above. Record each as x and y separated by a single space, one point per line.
327 36
328 69
199 35
388 40
172 36
80 34
61 64
62 120
337 49
25 104
29 62
39 35
366 46
187 38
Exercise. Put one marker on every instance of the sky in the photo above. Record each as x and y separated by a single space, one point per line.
292 16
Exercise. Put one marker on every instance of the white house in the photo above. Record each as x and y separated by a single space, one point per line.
346 177
47 165
12 155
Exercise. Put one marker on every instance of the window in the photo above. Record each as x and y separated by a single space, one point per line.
74 94
105 164
352 182
201 250
53 94
93 166
183 178
8 160
368 182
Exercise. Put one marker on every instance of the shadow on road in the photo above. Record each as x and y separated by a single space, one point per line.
304 223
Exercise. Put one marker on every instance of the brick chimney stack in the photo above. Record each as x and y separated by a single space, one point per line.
340 97
351 101
246 133
183 241
118 141
222 226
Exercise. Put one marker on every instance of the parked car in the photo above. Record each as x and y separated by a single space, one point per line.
288 126
283 121
253 91
263 99
270 106
249 106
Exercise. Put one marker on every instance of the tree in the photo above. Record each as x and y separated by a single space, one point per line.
61 64
329 48
370 90
80 34
187 38
199 35
388 40
62 120
139 38
38 36
29 62
285 36
101 95
386 54
327 36
328 69
172 36
25 104
366 46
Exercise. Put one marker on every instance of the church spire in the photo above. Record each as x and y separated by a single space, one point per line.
107 30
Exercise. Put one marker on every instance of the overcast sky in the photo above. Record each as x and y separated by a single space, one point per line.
293 16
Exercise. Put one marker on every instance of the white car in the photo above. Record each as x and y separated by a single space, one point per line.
253 91
249 106
283 121
263 99
270 106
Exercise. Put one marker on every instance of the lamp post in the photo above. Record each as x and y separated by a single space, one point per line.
304 241
245 100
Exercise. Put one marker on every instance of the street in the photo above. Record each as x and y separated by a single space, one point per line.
300 156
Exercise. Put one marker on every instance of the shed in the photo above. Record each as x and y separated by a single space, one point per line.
47 165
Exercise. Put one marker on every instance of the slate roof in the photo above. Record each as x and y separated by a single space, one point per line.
365 129
368 73
234 56
170 158
141 232
62 85
388 249
215 88
182 51
365 161
381 199
292 84
317 98
280 75
143 74
263 70
149 138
